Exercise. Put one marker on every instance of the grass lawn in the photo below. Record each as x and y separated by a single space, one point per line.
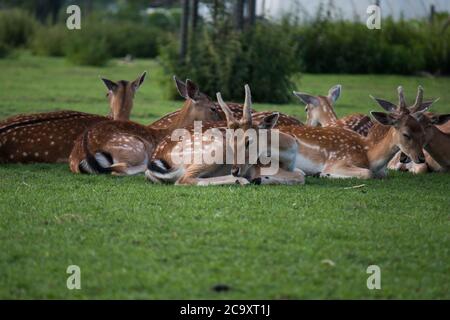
132 239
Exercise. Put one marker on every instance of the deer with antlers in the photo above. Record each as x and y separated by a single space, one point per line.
168 120
320 112
339 153
105 148
437 139
224 144
49 137
125 147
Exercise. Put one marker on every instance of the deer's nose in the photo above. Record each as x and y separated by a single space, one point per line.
404 158
235 171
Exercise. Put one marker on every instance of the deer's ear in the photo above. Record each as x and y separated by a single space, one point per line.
307 98
138 82
334 93
269 121
440 119
110 85
427 104
192 90
384 118
386 105
181 87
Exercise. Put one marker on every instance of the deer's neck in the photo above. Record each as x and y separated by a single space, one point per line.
382 146
439 147
328 116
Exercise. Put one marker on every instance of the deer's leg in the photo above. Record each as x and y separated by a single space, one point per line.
282 177
76 155
432 164
395 163
130 156
418 168
345 171
192 177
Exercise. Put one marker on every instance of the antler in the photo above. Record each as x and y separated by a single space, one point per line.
247 112
228 114
419 100
402 108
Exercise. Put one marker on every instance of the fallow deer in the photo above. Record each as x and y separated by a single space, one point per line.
401 161
124 147
320 112
437 142
163 169
339 153
49 137
168 120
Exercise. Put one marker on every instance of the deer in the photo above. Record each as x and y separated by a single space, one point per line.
335 152
236 108
320 112
436 128
163 168
124 147
49 137
438 142
110 154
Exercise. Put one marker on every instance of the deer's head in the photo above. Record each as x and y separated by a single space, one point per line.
409 135
244 140
121 94
319 109
198 106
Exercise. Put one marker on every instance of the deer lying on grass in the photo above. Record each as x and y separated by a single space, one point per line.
109 148
435 136
438 142
49 137
339 153
125 147
236 109
221 146
320 112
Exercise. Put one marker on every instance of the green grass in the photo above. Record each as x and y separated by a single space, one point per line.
132 239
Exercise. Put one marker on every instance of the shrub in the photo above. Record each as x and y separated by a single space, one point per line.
50 41
88 46
225 60
136 39
4 50
16 28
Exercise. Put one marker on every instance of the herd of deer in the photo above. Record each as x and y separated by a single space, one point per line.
402 138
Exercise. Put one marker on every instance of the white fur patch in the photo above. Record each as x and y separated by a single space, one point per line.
102 160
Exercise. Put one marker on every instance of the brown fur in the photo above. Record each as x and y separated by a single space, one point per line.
115 139
324 115
49 137
220 174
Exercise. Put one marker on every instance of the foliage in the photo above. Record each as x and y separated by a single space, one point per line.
403 47
222 59
50 40
5 50
88 46
16 28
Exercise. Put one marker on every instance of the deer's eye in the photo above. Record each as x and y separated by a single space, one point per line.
306 109
407 136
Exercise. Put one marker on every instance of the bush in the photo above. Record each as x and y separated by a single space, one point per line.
50 41
16 28
225 60
4 50
88 46
138 40
347 47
